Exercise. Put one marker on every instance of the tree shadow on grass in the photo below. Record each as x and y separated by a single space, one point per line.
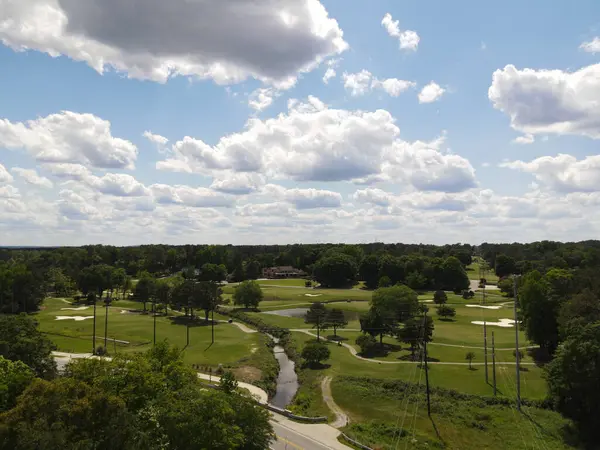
331 337
316 366
381 350
446 319
539 355
195 322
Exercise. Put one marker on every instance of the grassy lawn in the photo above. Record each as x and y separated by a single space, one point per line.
283 282
378 409
231 345
473 272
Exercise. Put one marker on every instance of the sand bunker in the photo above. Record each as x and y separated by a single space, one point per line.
504 323
484 307
81 308
76 318
313 295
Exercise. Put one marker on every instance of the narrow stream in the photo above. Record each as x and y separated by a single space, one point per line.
287 380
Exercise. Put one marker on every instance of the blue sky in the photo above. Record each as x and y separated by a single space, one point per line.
437 122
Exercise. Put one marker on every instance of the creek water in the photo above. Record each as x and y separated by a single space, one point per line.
287 380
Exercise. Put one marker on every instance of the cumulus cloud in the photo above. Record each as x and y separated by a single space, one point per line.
5 177
117 184
73 206
69 137
313 198
67 171
201 197
408 39
373 196
238 183
563 173
157 139
32 177
329 74
592 46
315 143
271 40
262 98
363 82
525 139
549 101
431 93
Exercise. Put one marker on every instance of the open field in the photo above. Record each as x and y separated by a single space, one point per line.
378 409
473 272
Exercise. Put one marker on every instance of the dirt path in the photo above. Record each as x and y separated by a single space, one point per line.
341 419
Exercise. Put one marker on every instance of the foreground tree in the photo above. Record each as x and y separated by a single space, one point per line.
21 340
394 305
446 312
581 310
15 376
373 324
317 317
248 293
366 343
315 353
440 297
572 378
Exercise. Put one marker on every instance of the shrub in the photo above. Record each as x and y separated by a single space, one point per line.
315 352
366 342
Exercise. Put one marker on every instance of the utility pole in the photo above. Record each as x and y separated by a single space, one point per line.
212 313
94 330
106 303
494 362
154 318
427 378
187 342
485 353
517 354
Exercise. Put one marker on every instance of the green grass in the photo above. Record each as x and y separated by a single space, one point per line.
473 272
230 348
378 409
283 282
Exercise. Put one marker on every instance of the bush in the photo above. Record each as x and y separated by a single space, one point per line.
315 352
384 281
467 294
446 312
366 342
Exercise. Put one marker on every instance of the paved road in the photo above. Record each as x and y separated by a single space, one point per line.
288 439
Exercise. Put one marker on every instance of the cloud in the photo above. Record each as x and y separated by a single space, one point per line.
592 46
8 191
563 173
238 183
549 101
271 40
202 197
67 171
117 184
313 198
262 98
373 196
524 140
69 137
363 82
32 177
329 74
155 138
409 40
431 93
315 143
5 177
73 206
276 209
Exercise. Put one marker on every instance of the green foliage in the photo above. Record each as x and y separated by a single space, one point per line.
470 356
395 303
252 270
248 293
446 312
15 376
581 310
145 288
416 331
369 271
366 343
228 382
67 413
96 278
505 266
506 286
336 319
384 282
440 297
21 340
315 353
21 289
336 270
213 272
453 275
573 380
317 317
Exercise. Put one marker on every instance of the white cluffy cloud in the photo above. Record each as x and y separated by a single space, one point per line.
592 46
262 98
431 93
32 177
409 40
330 72
5 176
312 142
69 137
271 40
525 139
549 101
563 173
155 138
363 82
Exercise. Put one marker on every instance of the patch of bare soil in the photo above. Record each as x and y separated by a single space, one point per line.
248 374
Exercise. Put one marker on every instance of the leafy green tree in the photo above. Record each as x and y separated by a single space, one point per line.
415 332
162 294
369 271
21 290
581 310
97 278
506 286
416 280
21 340
207 296
336 271
66 413
454 277
384 282
446 312
228 382
213 272
540 311
60 284
15 376
572 378
366 343
470 356
393 268
145 288
336 319
373 324
253 270
505 266
119 277
395 304
440 297
317 317
315 353
248 293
